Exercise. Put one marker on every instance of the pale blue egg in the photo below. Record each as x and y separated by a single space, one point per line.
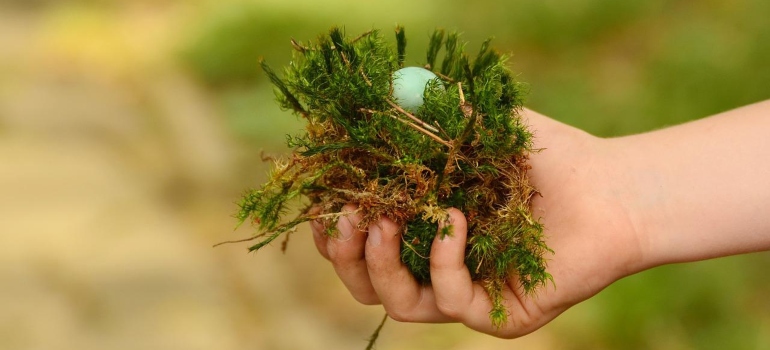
409 86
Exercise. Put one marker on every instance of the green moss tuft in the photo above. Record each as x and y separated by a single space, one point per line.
465 147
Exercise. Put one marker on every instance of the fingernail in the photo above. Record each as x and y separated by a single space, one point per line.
316 227
375 235
345 230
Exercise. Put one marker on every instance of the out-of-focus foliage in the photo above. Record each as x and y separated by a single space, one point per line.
128 128
233 38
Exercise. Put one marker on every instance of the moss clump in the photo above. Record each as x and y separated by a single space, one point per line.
465 147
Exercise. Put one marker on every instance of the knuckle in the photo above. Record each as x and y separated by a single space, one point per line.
449 309
438 265
333 250
508 336
341 252
511 334
399 314
523 325
518 327
367 299
441 264
377 267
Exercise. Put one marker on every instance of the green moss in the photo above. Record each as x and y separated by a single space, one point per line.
465 147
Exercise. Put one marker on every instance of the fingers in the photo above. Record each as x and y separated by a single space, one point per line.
403 298
450 277
319 236
346 252
371 269
456 294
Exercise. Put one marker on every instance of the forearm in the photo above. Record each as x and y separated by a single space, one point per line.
701 189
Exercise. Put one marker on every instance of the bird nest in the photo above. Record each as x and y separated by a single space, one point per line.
465 146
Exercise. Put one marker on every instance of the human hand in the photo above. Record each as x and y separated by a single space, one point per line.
583 207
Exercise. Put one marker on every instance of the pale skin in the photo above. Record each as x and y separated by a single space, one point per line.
610 207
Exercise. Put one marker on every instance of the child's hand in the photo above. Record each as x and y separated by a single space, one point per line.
610 207
585 224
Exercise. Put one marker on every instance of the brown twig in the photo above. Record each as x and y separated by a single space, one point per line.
363 35
329 215
368 82
426 132
442 76
297 46
412 117
408 245
465 107
344 58
416 127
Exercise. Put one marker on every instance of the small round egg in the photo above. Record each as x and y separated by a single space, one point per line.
409 86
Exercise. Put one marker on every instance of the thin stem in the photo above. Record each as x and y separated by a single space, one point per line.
416 127
412 117
376 333
297 46
366 79
363 35
442 76
330 215
411 247
240 240
426 132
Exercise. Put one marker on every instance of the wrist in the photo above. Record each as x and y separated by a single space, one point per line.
629 188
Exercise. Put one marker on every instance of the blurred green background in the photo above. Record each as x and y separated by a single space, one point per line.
128 129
